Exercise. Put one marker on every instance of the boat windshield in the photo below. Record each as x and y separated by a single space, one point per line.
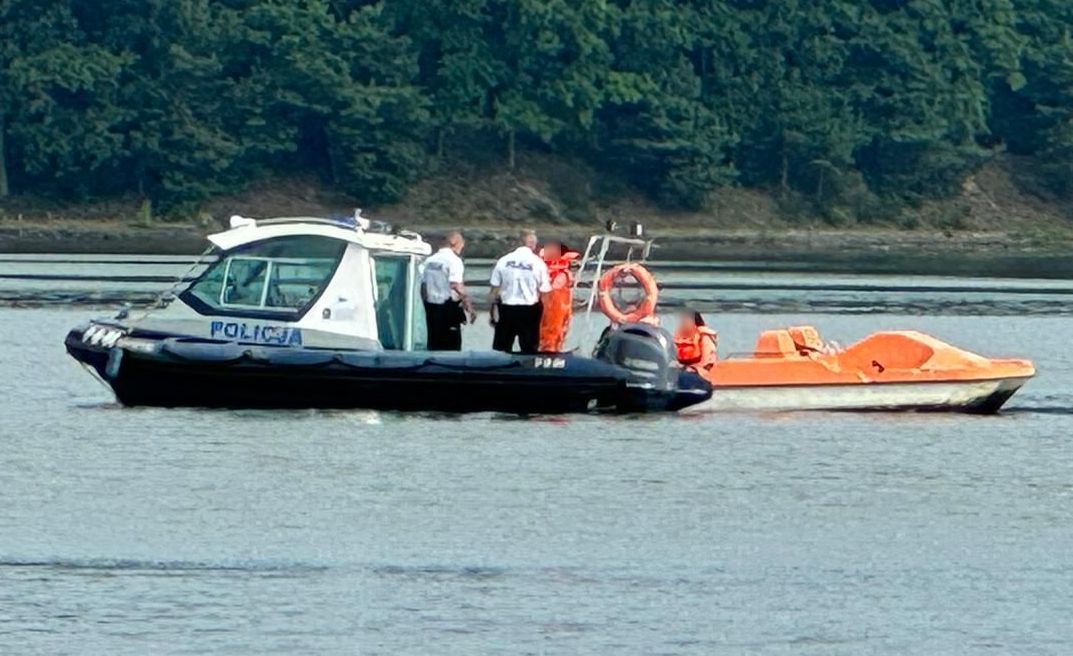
273 278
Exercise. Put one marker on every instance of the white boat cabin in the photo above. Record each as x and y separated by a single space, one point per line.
304 281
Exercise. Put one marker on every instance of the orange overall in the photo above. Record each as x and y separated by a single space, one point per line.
697 348
558 304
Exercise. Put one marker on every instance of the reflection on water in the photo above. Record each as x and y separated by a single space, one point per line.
133 531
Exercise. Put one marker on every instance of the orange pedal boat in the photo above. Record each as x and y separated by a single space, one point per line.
793 369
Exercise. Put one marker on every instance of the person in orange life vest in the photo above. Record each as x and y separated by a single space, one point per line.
697 344
558 303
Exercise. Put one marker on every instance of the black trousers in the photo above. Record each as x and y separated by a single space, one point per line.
518 321
444 323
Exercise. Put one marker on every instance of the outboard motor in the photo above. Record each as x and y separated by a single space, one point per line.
648 353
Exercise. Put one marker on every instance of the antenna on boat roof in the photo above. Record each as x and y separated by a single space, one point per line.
238 221
635 229
362 222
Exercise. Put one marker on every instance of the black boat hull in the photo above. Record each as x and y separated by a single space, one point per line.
174 372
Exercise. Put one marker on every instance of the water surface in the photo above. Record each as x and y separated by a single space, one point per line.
134 531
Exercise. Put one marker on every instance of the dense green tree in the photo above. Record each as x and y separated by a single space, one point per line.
923 92
191 117
552 63
524 68
457 63
805 127
1033 109
656 127
339 85
59 100
176 100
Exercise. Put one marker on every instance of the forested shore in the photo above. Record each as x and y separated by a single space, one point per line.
849 111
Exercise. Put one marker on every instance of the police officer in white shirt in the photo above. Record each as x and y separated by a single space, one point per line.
447 306
519 280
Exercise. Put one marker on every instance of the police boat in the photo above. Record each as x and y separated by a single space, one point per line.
326 313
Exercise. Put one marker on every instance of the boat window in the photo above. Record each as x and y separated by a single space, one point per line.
276 277
244 281
392 300
418 327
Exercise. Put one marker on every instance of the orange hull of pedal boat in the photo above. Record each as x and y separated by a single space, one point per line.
793 369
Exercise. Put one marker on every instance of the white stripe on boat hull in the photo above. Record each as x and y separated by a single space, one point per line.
953 396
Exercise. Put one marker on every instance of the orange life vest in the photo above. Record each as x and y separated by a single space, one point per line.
559 272
558 304
691 349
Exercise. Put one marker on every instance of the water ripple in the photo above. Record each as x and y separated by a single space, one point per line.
134 565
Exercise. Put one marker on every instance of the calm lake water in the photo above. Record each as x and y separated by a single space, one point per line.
137 531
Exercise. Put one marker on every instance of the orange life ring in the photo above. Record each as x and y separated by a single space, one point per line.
648 284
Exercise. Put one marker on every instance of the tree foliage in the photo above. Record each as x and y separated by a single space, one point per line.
175 100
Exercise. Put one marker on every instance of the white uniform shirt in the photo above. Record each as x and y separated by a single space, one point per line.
442 269
521 276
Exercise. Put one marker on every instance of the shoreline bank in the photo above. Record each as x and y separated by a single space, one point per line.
858 251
